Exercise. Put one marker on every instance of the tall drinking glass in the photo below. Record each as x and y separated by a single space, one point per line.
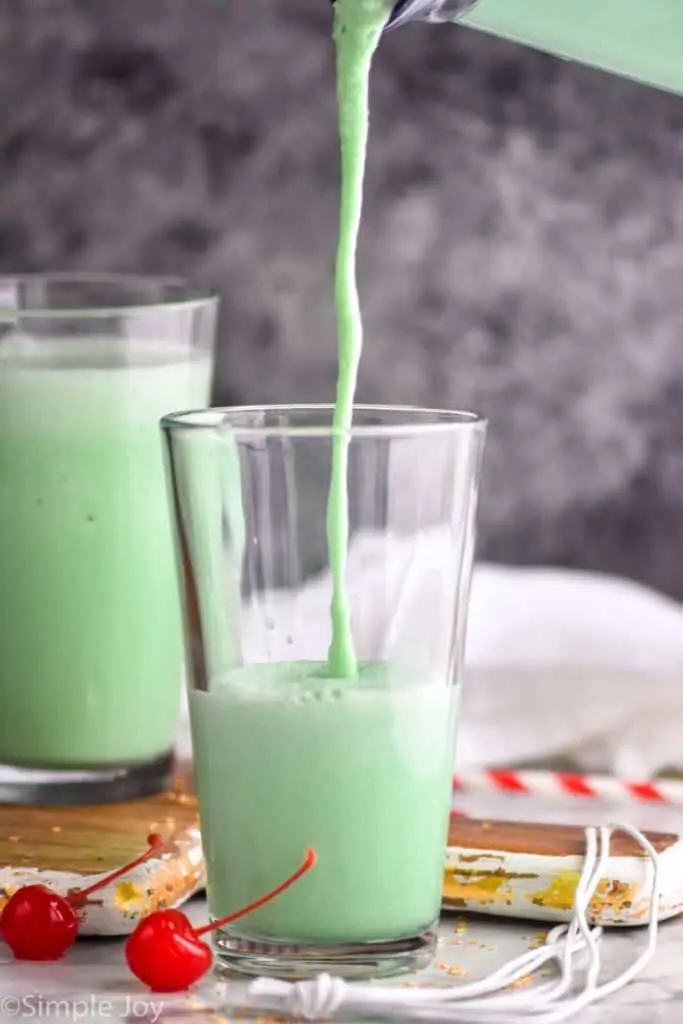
287 756
90 630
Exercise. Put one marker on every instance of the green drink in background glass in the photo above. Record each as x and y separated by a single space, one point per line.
90 635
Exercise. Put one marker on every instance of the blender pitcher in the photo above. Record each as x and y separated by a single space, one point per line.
638 39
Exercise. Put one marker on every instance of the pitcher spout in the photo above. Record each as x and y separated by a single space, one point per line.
428 10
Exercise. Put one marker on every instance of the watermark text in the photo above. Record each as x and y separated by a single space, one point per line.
37 1007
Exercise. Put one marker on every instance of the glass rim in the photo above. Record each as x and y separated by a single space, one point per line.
188 296
435 421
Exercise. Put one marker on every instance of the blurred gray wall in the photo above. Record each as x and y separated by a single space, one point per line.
522 252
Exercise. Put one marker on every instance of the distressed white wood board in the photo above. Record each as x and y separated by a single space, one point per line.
530 871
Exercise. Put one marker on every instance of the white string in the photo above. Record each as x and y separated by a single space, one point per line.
574 949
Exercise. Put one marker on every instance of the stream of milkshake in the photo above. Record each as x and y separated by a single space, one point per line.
358 27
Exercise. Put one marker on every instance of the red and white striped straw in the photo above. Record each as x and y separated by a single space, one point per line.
553 784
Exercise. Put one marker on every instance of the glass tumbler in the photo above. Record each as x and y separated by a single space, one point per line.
90 629
289 754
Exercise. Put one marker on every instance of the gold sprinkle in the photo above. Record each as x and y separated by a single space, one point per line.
457 972
473 942
183 798
56 828
486 827
126 894
194 1002
521 982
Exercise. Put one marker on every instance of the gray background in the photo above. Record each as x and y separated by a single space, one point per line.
521 252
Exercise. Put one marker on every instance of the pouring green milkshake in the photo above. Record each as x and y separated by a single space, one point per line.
358 26
329 738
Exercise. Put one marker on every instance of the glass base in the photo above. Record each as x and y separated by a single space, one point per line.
59 787
362 960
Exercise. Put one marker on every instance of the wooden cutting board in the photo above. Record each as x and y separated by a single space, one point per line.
69 847
497 868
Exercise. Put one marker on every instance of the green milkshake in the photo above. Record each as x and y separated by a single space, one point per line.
287 757
90 641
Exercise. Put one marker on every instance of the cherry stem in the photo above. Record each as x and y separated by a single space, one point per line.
308 863
155 842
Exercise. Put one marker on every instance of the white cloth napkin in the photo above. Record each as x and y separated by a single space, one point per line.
574 666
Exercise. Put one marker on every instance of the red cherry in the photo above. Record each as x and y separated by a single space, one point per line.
38 924
166 953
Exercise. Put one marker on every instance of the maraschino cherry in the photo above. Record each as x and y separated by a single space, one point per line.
167 954
39 924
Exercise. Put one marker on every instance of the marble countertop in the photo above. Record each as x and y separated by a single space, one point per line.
93 984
